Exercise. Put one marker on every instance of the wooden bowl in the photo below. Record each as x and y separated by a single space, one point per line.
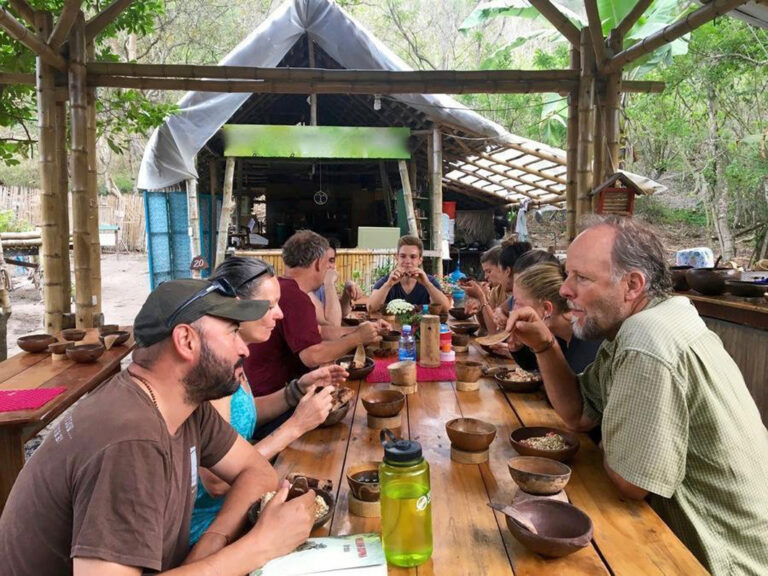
384 403
36 343
357 373
85 353
746 289
679 282
526 432
435 309
60 347
459 314
363 480
710 281
562 528
460 339
541 476
122 337
468 370
443 317
464 327
106 328
350 321
359 308
490 350
255 509
470 434
336 416
391 336
73 334
384 352
510 383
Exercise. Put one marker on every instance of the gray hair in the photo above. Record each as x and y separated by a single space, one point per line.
303 248
636 247
246 275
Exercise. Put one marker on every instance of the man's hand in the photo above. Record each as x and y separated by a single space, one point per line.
313 408
383 326
283 526
527 328
420 275
352 290
395 276
367 333
331 375
330 278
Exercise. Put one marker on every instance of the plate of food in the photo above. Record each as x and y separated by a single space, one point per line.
518 380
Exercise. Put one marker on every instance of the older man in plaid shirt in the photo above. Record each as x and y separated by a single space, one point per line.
677 421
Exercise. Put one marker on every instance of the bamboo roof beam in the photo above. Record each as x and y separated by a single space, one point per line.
462 188
535 152
595 30
509 187
17 78
64 23
21 33
532 171
633 16
492 170
643 86
24 10
672 32
104 18
558 20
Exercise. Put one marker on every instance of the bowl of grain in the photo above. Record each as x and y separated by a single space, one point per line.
544 442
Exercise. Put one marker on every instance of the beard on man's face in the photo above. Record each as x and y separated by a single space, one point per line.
212 378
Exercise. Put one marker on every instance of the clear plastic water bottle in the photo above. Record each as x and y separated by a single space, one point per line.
407 348
406 502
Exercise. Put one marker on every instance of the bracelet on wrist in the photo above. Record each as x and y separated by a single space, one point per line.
546 347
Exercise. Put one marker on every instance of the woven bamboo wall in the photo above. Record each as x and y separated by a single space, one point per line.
25 204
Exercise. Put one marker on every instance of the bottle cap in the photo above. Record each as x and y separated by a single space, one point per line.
399 450
444 329
406 328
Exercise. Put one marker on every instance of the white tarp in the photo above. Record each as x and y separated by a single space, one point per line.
171 150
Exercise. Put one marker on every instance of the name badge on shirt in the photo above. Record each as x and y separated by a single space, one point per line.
193 467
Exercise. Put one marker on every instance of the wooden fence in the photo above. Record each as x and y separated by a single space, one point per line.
126 212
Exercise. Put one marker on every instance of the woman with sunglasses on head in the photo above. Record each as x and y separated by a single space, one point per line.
538 287
309 396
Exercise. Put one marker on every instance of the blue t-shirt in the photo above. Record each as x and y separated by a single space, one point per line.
320 294
243 420
418 296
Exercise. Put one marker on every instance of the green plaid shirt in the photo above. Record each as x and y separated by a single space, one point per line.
678 421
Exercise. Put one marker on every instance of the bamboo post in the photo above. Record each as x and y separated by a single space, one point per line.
585 145
598 146
387 189
313 96
5 306
53 282
572 144
410 214
226 211
63 204
84 297
193 218
93 194
613 89
436 177
213 174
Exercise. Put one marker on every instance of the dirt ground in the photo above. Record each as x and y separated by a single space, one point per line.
124 284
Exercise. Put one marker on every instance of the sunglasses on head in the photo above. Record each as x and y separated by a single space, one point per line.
219 285
267 269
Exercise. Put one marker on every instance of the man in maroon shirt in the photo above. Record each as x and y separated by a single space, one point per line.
296 345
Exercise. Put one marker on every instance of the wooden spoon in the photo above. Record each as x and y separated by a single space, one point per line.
492 339
513 513
359 360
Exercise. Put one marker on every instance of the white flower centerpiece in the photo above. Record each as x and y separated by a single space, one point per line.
404 312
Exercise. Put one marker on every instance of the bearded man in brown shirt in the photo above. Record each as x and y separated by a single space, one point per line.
111 490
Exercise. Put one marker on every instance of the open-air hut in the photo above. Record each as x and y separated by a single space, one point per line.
450 153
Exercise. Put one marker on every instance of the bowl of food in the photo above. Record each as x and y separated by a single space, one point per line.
60 347
36 343
468 370
121 337
710 281
323 502
384 403
391 336
73 334
745 289
359 308
540 476
356 372
544 442
560 528
679 282
85 353
384 352
470 434
106 328
341 397
351 321
464 327
458 313
499 350
363 480
517 380
460 340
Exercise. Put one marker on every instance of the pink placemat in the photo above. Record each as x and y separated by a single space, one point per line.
14 400
444 373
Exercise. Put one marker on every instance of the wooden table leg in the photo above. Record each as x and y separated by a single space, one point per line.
11 460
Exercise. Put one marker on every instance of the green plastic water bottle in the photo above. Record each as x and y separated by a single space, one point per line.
406 502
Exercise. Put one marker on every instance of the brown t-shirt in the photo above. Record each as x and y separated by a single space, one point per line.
110 482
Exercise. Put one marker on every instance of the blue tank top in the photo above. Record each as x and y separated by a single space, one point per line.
243 419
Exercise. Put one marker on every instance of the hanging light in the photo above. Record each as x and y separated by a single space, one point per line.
377 102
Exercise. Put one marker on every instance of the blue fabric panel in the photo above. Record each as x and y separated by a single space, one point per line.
181 255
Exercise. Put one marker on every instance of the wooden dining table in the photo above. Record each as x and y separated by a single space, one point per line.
469 537
26 371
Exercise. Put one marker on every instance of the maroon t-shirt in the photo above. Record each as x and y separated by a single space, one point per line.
271 364
110 482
